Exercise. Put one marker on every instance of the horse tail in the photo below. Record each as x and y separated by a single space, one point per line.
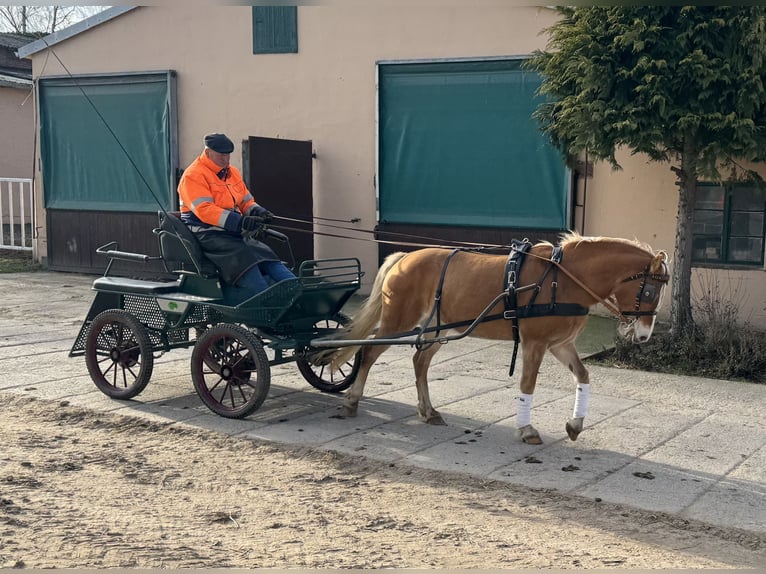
368 316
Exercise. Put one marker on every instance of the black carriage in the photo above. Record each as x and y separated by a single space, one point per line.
132 320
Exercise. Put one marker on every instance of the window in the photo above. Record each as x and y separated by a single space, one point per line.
275 29
729 224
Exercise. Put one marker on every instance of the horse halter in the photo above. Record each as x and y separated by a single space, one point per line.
647 292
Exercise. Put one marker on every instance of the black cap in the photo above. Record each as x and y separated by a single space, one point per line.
219 143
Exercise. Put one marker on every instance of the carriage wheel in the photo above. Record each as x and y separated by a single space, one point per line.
230 370
118 353
322 377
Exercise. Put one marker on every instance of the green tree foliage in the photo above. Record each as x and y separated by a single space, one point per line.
681 84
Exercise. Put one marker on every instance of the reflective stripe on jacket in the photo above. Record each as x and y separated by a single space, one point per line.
209 200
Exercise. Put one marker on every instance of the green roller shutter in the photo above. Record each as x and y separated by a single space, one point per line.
108 142
458 146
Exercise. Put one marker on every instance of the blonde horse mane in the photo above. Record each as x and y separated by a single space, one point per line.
574 238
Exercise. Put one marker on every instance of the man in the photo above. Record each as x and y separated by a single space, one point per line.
219 209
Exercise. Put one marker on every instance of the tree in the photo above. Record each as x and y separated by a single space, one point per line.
681 84
42 19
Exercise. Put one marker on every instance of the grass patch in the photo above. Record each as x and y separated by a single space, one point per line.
720 345
737 354
13 261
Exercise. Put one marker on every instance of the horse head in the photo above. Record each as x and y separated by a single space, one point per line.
639 296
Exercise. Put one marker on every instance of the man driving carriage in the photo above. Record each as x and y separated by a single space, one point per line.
218 208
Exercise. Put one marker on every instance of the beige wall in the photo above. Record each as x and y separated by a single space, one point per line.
17 143
327 93
641 201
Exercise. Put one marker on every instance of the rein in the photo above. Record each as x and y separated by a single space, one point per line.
448 242
622 316
610 306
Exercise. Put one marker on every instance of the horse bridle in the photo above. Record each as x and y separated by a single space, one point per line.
622 316
646 293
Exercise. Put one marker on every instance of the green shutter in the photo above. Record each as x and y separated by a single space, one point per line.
275 29
106 142
458 146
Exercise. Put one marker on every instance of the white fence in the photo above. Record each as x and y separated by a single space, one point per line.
16 213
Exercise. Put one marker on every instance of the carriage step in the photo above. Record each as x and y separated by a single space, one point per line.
140 286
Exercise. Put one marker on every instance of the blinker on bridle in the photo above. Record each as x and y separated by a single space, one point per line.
646 293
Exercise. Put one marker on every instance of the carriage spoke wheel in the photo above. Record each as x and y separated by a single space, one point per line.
322 377
230 370
118 354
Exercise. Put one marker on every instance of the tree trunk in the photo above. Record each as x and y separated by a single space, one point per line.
681 320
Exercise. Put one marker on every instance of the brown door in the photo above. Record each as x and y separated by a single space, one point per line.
279 175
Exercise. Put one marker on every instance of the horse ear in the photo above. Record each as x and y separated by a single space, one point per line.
658 261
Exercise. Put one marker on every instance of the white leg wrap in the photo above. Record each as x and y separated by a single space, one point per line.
523 410
581 401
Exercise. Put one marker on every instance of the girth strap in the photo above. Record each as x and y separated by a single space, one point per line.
512 271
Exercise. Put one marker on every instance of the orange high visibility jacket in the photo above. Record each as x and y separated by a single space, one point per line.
206 200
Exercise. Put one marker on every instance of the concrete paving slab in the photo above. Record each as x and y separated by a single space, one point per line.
688 464
395 440
690 446
205 419
56 389
491 404
739 499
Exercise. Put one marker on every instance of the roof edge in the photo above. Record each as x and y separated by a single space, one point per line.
73 30
13 82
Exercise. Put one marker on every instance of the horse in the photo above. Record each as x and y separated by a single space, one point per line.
459 286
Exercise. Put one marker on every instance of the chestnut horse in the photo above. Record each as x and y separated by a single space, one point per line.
626 276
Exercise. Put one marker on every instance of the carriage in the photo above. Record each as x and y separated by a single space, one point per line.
132 320
433 296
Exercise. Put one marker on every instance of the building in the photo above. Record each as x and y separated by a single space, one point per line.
16 109
410 118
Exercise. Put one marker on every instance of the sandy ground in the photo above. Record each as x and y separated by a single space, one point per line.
86 489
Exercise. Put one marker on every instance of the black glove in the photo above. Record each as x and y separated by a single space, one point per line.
265 215
250 223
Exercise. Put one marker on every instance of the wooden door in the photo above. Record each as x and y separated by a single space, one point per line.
279 174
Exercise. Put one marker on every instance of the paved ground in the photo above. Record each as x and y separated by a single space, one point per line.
692 447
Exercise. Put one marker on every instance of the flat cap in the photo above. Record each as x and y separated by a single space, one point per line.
219 143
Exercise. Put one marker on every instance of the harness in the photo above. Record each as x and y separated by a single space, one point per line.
519 251
513 312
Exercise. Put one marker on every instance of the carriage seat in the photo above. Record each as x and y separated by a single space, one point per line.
180 250
134 286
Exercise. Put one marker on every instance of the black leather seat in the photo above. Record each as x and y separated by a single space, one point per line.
179 248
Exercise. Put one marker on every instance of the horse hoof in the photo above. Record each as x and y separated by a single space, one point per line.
433 418
436 420
529 435
574 428
349 412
